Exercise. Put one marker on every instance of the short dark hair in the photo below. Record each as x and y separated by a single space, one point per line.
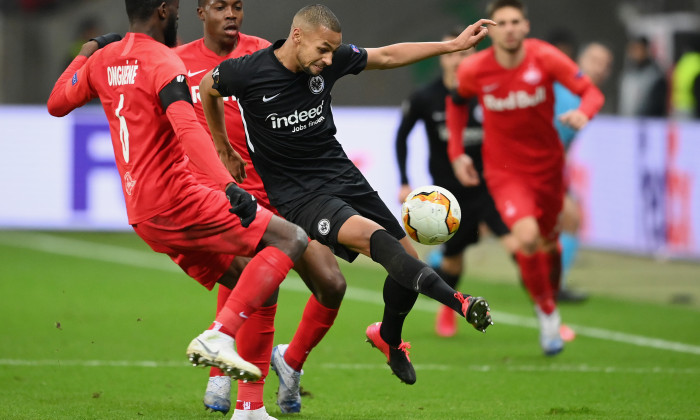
642 40
319 15
499 4
139 10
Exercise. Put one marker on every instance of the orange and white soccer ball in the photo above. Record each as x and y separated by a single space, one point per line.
431 215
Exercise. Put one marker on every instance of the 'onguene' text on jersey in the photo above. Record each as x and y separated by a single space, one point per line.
128 76
288 121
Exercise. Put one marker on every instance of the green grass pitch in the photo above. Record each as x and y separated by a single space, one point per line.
95 326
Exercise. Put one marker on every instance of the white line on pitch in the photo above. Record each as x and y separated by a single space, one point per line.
365 367
144 259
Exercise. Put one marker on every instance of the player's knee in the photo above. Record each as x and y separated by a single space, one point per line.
332 289
298 241
285 236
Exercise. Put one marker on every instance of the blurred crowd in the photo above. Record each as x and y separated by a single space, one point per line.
644 88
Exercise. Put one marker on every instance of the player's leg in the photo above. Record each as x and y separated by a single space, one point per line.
367 237
202 221
517 203
570 224
319 269
280 245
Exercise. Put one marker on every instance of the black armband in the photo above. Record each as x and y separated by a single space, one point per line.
176 90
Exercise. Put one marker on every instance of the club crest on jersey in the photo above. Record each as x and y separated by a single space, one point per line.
215 75
324 226
129 183
532 75
316 84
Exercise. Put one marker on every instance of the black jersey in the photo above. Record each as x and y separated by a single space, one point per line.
428 105
288 122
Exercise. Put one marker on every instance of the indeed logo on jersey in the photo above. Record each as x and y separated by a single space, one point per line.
122 75
297 118
515 100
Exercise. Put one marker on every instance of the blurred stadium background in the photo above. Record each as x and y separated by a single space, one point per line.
639 181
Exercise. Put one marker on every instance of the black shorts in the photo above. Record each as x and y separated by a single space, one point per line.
477 206
323 215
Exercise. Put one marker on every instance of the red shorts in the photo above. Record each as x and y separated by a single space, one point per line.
201 235
519 196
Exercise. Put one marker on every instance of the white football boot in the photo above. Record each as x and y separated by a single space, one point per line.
259 414
288 393
214 348
218 394
550 337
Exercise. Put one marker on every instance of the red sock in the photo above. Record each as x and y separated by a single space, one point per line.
315 323
249 405
259 279
536 279
553 262
254 344
221 297
254 340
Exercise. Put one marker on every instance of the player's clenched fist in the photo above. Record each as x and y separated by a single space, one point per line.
243 204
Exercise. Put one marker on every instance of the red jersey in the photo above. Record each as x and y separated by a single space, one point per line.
198 61
518 106
127 76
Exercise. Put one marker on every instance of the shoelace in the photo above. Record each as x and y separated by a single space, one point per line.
462 299
404 346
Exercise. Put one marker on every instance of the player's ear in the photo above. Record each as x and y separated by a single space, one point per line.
162 11
296 35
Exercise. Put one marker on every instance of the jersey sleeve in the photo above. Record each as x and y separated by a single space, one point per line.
466 78
349 59
230 75
566 72
409 117
167 69
72 89
197 143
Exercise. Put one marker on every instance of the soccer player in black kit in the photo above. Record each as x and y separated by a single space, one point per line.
284 97
427 104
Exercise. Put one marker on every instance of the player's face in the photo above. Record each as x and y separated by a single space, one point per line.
450 62
511 30
170 31
316 48
222 19
596 62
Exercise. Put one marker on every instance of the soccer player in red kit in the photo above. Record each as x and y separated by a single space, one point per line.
523 156
143 89
318 267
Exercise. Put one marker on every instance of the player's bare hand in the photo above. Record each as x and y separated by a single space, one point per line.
574 119
474 34
403 192
234 163
98 42
465 172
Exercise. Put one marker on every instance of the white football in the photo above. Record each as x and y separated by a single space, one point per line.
431 215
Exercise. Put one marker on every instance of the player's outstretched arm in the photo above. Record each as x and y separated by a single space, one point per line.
71 89
397 55
213 106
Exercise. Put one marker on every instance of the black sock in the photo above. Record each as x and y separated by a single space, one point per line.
450 279
409 272
398 302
